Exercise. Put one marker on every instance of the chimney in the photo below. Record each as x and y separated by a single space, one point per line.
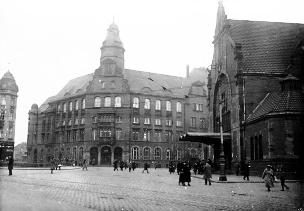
187 72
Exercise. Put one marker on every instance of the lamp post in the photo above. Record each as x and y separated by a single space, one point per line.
222 176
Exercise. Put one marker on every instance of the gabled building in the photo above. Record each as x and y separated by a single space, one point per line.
119 114
257 75
8 104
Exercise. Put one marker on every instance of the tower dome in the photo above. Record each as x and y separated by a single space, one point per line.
7 82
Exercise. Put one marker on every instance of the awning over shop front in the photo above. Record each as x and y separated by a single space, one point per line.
206 138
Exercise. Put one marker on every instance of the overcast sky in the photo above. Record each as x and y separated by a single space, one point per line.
46 43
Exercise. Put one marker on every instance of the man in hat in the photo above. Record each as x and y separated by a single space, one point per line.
10 165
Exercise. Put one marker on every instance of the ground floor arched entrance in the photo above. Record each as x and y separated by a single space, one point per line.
94 156
118 153
105 156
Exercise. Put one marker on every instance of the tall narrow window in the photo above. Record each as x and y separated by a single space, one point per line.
118 134
157 153
97 102
64 107
135 153
193 121
157 105
107 102
70 106
178 107
135 102
168 154
146 153
76 105
83 104
168 106
117 101
147 104
94 133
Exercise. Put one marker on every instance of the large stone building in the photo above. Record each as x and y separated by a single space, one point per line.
257 76
119 114
8 103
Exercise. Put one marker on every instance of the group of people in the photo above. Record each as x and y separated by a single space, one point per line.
124 165
269 177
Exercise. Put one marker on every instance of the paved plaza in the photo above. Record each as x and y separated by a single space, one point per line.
101 188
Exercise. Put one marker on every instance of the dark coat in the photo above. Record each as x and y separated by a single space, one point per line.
10 163
207 171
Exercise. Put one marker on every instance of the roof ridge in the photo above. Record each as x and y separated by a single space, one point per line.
270 22
180 77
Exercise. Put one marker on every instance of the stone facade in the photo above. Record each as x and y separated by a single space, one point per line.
119 114
246 67
8 104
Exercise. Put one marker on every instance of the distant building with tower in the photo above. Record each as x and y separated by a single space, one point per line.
120 114
8 104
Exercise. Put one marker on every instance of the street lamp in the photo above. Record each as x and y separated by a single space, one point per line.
222 176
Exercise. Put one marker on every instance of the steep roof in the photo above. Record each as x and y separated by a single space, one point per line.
139 82
278 102
7 82
266 46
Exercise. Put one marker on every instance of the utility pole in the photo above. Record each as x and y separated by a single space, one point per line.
222 176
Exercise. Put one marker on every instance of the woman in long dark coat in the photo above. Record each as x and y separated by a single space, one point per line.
187 173
10 165
207 173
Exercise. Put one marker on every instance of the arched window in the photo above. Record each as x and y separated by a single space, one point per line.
147 104
83 103
178 107
157 153
76 105
146 153
157 105
107 102
135 102
94 134
64 107
70 106
117 101
168 106
135 153
168 154
97 102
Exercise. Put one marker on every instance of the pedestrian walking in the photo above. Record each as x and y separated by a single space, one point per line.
281 174
10 165
115 165
268 177
52 165
181 178
121 165
187 173
246 170
146 166
84 164
207 172
133 166
237 168
171 167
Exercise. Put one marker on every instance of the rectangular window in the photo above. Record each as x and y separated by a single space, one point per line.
147 121
198 107
118 119
135 120
157 134
82 121
157 121
118 134
147 135
81 134
68 136
94 134
135 135
203 123
74 135
168 136
179 123
193 121
168 122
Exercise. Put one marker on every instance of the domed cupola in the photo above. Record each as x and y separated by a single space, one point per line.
7 83
112 53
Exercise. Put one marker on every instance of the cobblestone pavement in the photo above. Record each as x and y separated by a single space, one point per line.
101 188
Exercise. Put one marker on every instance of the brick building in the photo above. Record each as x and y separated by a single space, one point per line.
119 114
257 75
8 103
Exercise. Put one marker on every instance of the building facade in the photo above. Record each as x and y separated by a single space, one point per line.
250 64
8 104
119 114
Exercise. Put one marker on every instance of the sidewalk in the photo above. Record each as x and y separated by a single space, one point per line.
237 179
